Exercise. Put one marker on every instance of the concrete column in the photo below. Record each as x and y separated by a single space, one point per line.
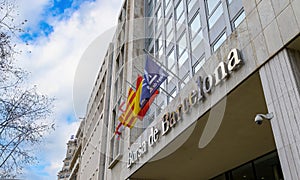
281 83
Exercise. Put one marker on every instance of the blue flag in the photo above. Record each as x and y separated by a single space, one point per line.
154 76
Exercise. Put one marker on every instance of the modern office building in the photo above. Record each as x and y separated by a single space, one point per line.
229 108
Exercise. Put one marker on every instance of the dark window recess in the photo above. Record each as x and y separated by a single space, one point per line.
266 167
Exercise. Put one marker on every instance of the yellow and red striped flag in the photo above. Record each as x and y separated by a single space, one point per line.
129 117
133 109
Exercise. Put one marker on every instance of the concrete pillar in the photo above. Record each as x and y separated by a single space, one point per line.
281 83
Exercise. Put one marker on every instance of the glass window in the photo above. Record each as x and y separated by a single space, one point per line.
158 14
268 167
195 25
171 61
169 32
179 10
211 5
172 95
151 29
168 4
159 45
170 38
185 80
160 52
150 8
221 177
195 31
182 59
169 27
215 16
181 44
179 14
244 172
159 17
114 141
219 42
197 40
198 64
238 20
191 4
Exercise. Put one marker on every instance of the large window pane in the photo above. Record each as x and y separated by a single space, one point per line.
211 4
150 8
179 10
220 177
179 14
191 4
238 20
268 167
244 172
185 80
168 4
182 45
219 42
197 40
159 13
198 64
170 37
171 61
182 59
215 16
195 25
169 27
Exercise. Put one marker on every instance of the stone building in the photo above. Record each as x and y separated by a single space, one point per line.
229 108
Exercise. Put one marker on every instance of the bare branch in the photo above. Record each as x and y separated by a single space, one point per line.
22 110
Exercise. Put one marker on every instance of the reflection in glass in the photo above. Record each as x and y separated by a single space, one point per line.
268 167
182 45
179 14
179 10
171 61
219 42
211 4
239 19
195 25
244 172
215 16
168 6
197 40
197 66
191 4
182 59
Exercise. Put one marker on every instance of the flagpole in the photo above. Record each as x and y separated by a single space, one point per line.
167 69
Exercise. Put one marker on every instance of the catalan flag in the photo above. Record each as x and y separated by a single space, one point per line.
129 117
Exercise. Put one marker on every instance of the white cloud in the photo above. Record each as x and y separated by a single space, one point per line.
31 10
53 62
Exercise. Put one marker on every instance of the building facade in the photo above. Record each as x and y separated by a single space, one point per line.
65 173
229 108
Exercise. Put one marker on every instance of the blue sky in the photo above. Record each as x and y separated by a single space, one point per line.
58 33
57 9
